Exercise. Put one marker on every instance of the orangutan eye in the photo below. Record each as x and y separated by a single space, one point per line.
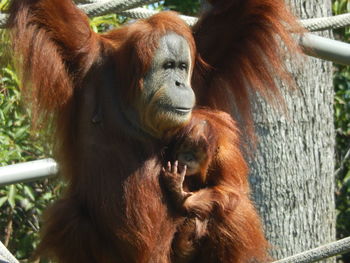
169 65
188 157
183 66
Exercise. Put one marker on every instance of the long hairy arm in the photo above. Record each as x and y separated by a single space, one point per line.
241 42
54 46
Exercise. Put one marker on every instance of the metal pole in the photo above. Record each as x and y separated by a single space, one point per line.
325 48
6 256
326 251
29 171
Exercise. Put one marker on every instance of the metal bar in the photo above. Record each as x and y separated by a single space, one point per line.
44 168
6 256
28 171
330 250
325 48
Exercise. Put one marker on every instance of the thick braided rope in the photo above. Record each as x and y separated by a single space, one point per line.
98 7
141 13
323 23
112 6
314 24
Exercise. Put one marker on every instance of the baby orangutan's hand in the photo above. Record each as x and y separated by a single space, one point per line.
173 180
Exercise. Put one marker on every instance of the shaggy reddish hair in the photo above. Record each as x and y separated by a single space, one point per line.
222 225
114 209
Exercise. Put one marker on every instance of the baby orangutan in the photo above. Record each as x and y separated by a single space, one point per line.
206 182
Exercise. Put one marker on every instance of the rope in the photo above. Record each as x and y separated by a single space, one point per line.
324 23
112 6
332 249
6 256
142 13
314 24
102 7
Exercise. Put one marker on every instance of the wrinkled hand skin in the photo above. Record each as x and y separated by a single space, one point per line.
193 204
173 180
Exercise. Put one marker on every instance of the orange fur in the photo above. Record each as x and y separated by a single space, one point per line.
220 199
241 41
113 209
110 210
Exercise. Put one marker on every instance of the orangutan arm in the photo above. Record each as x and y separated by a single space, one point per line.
200 203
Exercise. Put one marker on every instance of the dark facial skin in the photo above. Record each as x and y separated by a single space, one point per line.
191 158
167 98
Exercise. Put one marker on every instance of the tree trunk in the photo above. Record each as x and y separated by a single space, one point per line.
292 171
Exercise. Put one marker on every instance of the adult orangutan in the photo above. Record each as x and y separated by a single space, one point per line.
208 184
111 97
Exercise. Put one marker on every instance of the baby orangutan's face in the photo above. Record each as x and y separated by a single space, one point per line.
193 157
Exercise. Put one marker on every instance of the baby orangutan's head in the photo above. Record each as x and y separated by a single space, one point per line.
194 146
193 156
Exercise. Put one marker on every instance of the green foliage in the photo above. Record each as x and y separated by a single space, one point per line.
186 7
16 140
342 125
4 4
105 23
22 205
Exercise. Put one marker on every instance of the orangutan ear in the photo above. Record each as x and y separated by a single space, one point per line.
54 47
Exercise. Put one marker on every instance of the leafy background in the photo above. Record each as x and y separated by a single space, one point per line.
342 125
21 205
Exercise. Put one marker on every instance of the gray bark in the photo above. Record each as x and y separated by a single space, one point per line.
292 170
